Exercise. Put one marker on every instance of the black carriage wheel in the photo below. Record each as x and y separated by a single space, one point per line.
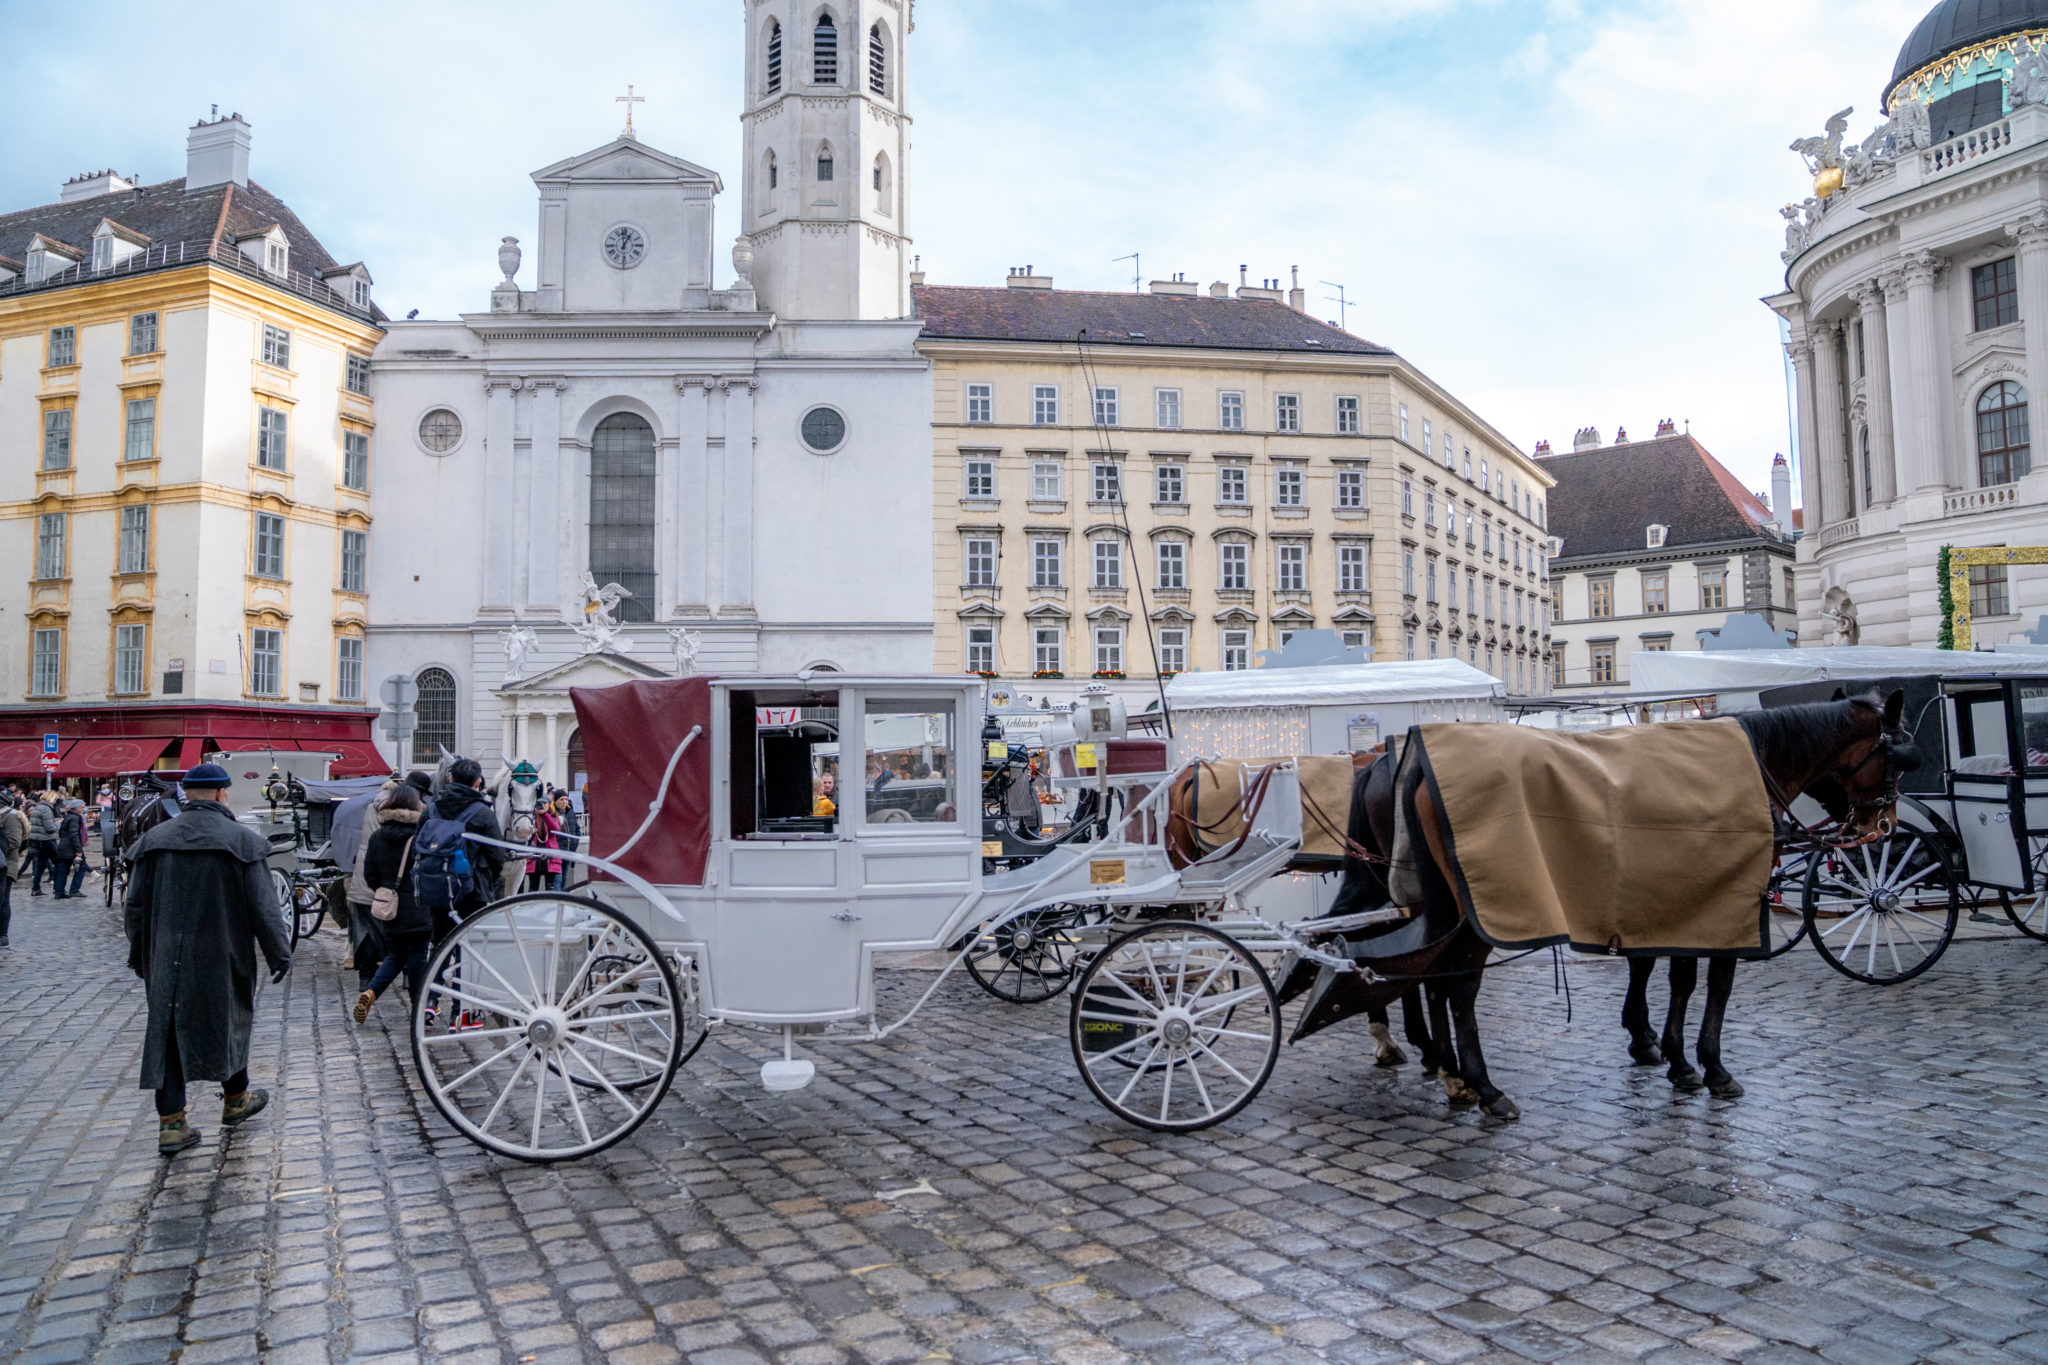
1883 912
1030 958
1787 923
305 922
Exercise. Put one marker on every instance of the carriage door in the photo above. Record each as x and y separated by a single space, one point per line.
917 844
1984 783
2031 708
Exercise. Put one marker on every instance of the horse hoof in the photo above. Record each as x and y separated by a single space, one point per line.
1646 1054
1390 1056
1727 1088
1501 1107
1687 1080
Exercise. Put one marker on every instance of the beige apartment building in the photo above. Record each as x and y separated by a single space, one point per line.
1226 470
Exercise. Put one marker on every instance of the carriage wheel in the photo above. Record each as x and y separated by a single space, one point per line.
281 890
528 1052
1784 924
307 909
1882 912
2029 914
1032 957
1175 1026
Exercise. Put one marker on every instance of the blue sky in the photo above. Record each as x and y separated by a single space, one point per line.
1563 211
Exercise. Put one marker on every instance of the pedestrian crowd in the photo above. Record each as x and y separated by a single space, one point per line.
46 835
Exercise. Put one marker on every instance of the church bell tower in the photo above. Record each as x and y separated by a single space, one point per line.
825 132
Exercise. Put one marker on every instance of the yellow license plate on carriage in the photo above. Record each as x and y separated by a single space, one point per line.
1107 872
991 848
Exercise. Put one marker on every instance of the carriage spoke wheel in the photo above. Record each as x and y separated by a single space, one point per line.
307 906
1784 922
2029 914
1031 957
1882 912
1175 1026
559 1027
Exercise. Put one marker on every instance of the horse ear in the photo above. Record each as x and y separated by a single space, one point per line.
1841 694
1894 707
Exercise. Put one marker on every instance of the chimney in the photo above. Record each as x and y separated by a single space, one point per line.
1542 449
1243 276
1220 290
1781 496
1587 438
1621 436
92 185
1179 285
217 153
916 270
1297 297
1027 277
1667 427
1266 289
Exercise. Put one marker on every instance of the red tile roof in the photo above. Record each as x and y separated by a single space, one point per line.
1606 499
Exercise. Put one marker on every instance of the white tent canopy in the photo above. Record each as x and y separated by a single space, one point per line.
1701 672
1338 684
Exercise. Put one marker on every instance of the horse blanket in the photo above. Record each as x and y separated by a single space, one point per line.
1218 817
1645 839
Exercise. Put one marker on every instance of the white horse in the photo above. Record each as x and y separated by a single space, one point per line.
515 796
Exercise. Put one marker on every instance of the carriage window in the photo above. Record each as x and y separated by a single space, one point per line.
1980 734
909 762
2034 723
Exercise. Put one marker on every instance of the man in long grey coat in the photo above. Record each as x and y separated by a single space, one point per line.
199 904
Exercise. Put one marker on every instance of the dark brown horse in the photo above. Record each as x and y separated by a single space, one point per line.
141 803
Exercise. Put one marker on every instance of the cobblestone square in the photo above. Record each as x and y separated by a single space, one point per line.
1880 1195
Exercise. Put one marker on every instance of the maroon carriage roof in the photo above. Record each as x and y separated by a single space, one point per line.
629 732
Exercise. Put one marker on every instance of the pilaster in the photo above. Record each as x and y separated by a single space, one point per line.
1920 466
500 540
547 547
1800 349
738 597
1831 444
1875 308
691 498
2031 232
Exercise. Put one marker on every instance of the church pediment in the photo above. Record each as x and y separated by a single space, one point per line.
625 159
590 670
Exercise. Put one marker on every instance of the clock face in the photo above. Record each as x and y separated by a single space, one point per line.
624 246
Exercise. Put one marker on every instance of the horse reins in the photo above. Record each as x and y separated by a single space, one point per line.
1881 749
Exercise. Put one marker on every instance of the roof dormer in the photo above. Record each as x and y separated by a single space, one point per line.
10 270
48 257
268 248
1656 536
113 244
351 282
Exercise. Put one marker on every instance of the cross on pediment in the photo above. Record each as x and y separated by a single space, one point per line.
629 99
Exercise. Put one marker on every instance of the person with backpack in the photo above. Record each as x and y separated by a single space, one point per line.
68 849
42 841
452 876
407 932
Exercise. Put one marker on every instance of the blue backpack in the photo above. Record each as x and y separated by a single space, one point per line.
441 874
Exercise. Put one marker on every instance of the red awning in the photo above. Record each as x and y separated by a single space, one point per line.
20 756
105 757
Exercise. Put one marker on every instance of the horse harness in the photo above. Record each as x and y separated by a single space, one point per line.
1891 742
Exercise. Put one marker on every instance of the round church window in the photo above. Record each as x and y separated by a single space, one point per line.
624 246
440 431
824 430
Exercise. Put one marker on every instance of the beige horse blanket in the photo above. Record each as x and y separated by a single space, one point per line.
1219 813
1650 838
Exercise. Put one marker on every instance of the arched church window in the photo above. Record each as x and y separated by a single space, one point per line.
882 182
433 716
771 175
774 56
622 511
824 162
878 58
2003 452
825 52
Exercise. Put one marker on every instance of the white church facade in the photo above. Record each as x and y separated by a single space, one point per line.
739 459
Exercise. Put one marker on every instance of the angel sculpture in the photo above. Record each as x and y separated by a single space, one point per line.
1825 153
2029 75
599 629
1870 160
683 643
519 644
1796 235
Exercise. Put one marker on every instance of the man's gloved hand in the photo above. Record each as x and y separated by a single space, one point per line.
281 973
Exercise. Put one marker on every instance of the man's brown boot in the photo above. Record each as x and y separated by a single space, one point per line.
173 1134
235 1109
363 1003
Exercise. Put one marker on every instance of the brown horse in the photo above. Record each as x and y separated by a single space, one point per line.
1848 753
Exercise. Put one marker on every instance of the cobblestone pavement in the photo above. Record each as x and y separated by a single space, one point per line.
1881 1195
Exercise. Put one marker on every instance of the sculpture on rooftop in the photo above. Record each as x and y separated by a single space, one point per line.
599 629
1823 155
1910 127
2029 75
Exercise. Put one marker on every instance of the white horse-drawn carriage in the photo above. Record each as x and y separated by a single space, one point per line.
725 891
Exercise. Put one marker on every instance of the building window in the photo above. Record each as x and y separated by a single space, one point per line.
1105 407
1408 641
130 677
348 669
1489 599
1173 564
1603 663
1045 481
355 553
1429 507
1230 484
1351 488
1791 590
1287 487
1994 288
1407 496
277 347
1166 408
1230 414
826 169
1347 416
134 551
1350 568
1600 598
1654 537
1109 484
63 346
1404 437
1468 464
1660 645
981 478
271 428
1450 461
1173 651
1237 650
356 376
1450 519
2003 453
1045 564
1428 441
1109 564
1408 573
139 441
878 62
1429 582
774 56
57 439
142 334
433 716
1472 592
1109 649
1713 589
981 563
1656 592
1287 412
1045 650
1557 668
825 52
1353 639
1235 559
355 461
360 290
266 663
276 257
269 556
1045 405
1988 595
981 403
1292 564
622 511
1863 462
1469 524
1169 484
981 649
46 663
50 527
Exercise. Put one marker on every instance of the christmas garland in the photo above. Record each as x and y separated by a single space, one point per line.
1947 638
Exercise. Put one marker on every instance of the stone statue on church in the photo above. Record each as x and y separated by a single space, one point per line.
1910 127
518 644
1796 235
1823 155
2029 75
683 643
599 629
1870 160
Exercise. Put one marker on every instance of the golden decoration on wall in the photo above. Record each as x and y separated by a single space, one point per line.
1962 560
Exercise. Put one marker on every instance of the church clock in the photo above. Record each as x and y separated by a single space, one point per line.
624 246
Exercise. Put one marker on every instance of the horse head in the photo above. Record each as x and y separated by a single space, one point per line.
1856 771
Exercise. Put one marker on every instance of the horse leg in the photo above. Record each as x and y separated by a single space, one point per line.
1416 1026
1685 974
1472 1062
1720 985
1635 1013
1387 1052
1455 1088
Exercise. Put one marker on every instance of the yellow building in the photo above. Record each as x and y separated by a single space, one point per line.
184 401
1226 467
